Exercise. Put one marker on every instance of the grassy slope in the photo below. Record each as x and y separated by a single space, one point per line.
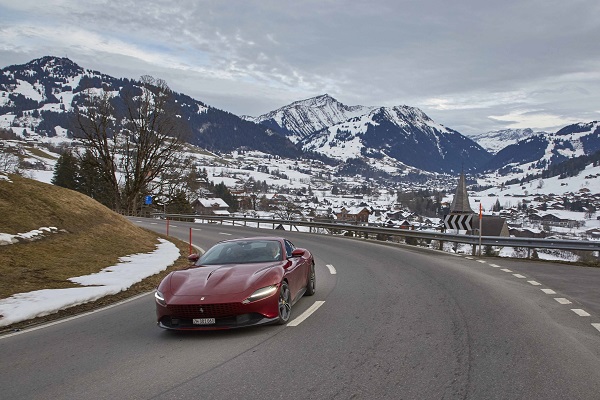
96 237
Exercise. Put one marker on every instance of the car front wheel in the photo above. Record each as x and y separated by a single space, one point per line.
311 286
285 305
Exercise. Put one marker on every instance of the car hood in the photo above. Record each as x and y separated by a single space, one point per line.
219 279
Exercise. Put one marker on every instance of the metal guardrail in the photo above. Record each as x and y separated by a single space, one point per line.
530 243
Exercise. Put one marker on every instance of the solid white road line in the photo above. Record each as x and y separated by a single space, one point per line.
534 283
505 270
60 321
597 326
580 312
519 276
298 320
562 300
332 270
495 266
548 291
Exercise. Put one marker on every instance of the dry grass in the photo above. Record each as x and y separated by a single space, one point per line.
95 238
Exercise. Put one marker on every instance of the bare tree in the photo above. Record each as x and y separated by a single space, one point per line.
9 161
132 141
95 124
178 176
288 211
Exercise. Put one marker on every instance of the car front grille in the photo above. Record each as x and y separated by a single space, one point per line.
206 310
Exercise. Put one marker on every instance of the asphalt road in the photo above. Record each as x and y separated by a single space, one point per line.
396 322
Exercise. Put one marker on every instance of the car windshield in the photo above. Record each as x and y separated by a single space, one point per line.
242 252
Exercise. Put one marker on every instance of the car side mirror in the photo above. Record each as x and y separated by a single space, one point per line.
298 252
192 258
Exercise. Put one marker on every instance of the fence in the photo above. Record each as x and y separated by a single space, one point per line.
409 236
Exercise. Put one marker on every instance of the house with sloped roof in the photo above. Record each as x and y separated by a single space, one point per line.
492 225
354 214
213 206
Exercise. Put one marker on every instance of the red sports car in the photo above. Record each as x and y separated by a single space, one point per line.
236 283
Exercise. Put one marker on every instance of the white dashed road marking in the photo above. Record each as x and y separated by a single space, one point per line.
580 312
306 313
562 300
332 270
469 258
223 233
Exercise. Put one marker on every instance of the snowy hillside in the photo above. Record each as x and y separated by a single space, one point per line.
534 153
304 117
494 141
37 100
402 133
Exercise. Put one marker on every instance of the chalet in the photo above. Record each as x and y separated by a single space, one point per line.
593 233
527 233
354 214
553 220
214 206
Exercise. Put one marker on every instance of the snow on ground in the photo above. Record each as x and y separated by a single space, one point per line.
112 280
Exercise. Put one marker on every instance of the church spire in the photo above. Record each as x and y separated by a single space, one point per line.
460 203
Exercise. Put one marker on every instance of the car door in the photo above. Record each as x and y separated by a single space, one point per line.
296 272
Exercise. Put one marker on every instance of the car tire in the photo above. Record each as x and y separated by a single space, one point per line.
311 286
284 303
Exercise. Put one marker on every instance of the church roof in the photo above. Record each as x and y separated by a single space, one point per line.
460 203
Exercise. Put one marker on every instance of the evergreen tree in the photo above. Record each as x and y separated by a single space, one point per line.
179 204
221 191
497 207
66 171
91 182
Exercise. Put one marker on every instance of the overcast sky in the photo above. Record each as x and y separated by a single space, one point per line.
473 66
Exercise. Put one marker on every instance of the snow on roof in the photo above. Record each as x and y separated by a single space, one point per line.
214 202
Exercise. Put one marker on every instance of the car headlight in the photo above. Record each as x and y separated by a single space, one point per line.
261 293
160 298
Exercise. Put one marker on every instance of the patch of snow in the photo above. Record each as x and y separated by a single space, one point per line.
130 270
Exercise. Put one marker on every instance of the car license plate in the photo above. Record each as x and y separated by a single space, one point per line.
203 321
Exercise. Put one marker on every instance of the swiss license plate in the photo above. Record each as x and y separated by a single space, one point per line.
203 321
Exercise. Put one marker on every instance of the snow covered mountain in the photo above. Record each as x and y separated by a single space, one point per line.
402 134
534 153
494 141
37 98
304 117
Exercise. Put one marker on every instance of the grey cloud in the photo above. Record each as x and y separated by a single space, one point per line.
253 56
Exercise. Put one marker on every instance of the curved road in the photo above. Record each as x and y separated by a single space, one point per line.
395 322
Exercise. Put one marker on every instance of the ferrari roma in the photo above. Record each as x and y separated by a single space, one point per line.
236 283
